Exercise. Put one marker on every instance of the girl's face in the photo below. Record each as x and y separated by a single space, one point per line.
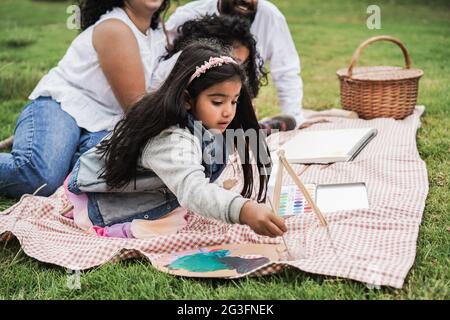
216 106
240 52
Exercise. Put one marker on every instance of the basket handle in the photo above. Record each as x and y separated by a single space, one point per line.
358 51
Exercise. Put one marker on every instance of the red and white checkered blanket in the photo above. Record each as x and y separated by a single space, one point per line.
376 245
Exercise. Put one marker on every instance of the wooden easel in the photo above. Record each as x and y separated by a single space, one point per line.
283 163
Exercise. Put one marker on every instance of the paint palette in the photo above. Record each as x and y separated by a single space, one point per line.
292 201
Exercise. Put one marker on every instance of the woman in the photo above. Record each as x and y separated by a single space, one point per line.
106 69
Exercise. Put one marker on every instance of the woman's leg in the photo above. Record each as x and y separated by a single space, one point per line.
45 139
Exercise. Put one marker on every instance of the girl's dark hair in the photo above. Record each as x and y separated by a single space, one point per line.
167 107
226 30
233 7
92 10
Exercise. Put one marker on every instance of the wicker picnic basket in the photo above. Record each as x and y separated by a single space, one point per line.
379 91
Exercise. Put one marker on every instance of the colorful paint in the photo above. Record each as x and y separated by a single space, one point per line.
216 260
292 201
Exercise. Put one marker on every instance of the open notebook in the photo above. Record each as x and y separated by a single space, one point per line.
327 146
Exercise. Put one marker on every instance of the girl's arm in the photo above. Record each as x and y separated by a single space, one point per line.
176 158
120 60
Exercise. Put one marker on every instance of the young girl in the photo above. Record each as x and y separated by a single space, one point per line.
163 153
274 43
106 69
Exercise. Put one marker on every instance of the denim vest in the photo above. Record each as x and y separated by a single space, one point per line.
147 197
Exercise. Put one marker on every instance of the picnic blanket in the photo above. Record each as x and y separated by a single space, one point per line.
375 246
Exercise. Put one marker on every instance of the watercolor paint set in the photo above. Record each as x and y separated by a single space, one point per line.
328 197
292 201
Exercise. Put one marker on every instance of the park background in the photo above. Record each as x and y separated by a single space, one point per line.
34 37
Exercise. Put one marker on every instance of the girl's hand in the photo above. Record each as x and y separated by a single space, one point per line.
262 219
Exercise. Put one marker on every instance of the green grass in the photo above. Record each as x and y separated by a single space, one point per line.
33 37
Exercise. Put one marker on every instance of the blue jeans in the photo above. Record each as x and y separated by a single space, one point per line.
47 143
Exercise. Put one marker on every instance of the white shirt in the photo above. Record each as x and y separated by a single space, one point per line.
79 84
273 41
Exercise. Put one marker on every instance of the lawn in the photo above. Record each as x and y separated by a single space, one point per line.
33 37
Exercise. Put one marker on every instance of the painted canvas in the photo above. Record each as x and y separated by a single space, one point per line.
221 261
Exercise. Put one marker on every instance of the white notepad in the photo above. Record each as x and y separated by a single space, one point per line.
346 196
327 146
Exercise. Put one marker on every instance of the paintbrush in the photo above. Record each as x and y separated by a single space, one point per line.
301 186
284 240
